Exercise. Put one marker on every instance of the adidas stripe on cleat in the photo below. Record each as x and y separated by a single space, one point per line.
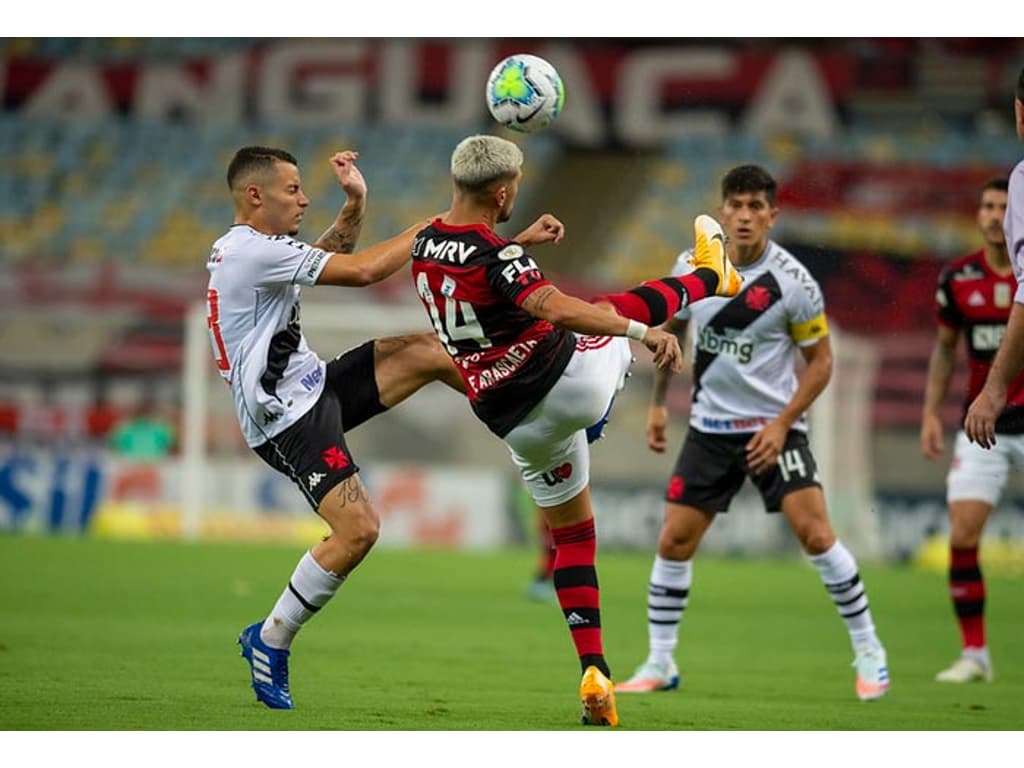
872 673
269 668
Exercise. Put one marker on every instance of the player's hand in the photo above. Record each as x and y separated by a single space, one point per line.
980 422
665 347
344 166
657 421
546 229
764 447
932 445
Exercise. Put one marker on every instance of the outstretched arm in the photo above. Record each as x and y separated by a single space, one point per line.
373 264
549 303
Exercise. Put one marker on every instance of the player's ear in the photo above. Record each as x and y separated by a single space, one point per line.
253 194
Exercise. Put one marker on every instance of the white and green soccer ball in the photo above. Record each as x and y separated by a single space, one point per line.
525 93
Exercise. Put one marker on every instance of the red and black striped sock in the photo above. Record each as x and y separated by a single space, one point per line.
656 301
576 585
967 589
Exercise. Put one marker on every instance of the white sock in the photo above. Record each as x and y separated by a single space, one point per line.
667 597
310 588
838 571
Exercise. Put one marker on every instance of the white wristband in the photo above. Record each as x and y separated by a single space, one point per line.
636 330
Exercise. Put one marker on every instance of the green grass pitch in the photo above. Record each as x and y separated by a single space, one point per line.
103 635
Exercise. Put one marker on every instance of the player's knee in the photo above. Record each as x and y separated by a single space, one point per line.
677 543
963 535
815 537
364 530
430 356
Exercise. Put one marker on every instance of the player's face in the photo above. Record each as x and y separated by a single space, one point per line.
991 213
746 218
284 202
511 190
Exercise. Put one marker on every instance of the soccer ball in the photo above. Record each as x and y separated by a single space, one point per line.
525 93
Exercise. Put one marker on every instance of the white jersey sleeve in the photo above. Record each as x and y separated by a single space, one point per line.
284 260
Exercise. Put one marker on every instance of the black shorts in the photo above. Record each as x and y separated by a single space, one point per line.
711 469
312 451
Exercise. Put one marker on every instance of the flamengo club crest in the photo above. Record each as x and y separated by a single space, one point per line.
1001 295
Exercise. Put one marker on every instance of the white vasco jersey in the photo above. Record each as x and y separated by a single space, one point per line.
252 304
745 346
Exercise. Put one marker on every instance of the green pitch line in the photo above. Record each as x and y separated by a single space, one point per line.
100 635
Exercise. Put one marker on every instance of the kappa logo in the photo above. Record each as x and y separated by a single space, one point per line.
335 458
315 478
557 475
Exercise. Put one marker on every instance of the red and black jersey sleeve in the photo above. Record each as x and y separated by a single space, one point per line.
513 274
947 311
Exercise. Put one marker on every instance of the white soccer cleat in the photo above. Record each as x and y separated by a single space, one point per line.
966 669
651 676
709 253
872 673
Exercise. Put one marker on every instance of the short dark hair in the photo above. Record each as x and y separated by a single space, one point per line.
1000 183
749 178
1020 86
249 159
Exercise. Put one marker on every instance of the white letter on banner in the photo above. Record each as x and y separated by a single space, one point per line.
793 98
168 91
466 77
639 117
324 97
71 90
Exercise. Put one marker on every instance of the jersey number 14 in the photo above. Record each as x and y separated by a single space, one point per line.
449 328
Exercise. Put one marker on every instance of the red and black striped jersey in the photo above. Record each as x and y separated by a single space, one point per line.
472 284
976 300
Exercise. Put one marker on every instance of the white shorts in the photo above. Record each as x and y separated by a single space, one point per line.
979 474
550 445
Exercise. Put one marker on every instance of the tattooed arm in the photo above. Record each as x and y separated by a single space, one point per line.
601 319
342 235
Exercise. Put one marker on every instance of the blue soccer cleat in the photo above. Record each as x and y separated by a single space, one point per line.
269 668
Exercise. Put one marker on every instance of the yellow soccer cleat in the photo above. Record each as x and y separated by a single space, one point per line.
598 699
709 253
